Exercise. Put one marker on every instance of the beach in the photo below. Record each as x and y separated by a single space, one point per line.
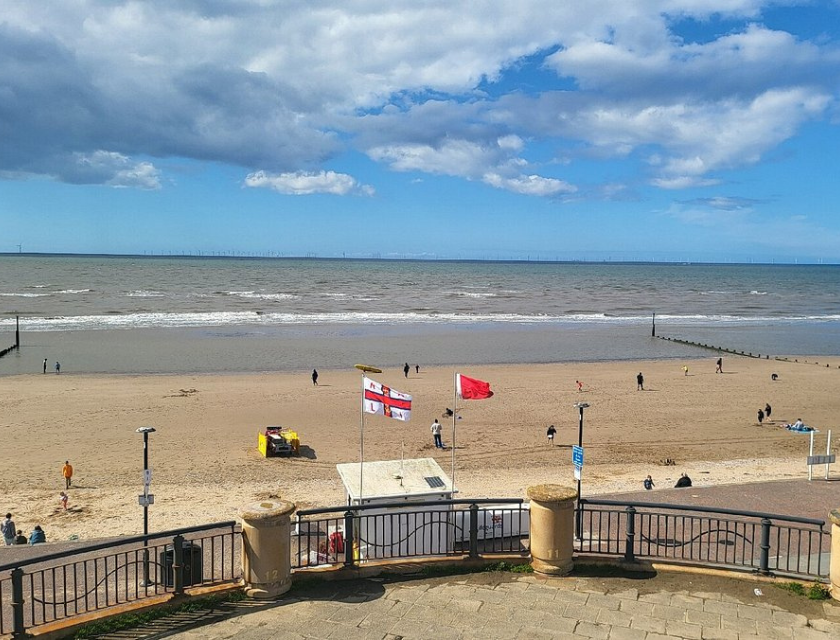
206 466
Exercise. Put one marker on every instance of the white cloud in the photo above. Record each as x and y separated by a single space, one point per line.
276 86
300 183
530 185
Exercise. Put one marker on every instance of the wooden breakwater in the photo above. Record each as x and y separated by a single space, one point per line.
712 347
16 345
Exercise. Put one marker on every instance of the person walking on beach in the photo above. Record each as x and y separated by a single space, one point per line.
45 365
640 382
315 377
406 369
67 472
7 528
760 416
719 363
436 433
685 369
648 483
57 367
579 385
416 368
767 411
550 433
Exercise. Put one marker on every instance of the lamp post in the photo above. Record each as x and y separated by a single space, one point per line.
578 519
144 500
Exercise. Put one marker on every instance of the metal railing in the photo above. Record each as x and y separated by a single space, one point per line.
349 535
55 586
741 540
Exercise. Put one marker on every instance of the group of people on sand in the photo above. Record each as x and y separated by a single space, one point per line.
682 482
13 535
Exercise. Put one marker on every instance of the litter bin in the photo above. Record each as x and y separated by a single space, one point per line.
192 564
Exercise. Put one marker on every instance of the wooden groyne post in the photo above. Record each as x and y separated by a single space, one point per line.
16 345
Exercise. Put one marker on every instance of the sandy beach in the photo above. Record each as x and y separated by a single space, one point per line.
206 466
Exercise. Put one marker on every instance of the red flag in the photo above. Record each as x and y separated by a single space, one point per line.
472 389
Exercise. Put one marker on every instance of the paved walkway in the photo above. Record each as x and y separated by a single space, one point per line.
506 605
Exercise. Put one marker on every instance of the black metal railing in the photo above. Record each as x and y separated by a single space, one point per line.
742 540
351 534
60 585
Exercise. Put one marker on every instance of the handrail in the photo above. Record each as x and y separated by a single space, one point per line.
75 551
681 507
391 505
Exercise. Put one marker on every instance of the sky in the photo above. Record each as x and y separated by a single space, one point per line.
686 130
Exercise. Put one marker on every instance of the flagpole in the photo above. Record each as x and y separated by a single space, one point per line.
362 441
454 418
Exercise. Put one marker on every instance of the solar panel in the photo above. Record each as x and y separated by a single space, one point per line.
434 482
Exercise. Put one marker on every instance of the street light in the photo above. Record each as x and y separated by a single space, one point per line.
144 500
578 519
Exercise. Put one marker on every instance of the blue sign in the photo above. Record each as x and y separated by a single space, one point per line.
577 455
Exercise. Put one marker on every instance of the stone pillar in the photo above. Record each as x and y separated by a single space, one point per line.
552 528
266 541
834 562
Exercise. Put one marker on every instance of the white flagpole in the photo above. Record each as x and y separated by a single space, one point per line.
362 441
454 418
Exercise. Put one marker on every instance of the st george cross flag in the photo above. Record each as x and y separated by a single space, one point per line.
472 389
386 401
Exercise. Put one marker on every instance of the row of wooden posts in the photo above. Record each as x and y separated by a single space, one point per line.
16 345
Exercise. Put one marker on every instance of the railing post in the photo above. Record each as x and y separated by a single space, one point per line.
552 528
178 564
630 549
834 559
764 558
349 539
473 530
18 624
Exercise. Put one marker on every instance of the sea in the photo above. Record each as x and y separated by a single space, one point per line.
158 315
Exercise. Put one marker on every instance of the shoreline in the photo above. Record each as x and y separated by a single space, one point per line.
206 465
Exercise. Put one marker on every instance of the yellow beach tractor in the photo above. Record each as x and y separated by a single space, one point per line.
277 441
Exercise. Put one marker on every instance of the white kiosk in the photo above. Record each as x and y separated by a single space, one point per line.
387 533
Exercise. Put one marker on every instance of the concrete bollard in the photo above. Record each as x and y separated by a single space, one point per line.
266 557
834 562
552 528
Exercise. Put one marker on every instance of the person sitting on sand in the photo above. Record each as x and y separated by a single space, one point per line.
37 536
798 424
683 482
648 482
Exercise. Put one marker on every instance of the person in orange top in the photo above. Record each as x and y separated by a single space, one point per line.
67 472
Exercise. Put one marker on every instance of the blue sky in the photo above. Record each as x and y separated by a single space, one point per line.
697 130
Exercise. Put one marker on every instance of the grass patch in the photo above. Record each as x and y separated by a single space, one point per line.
818 591
132 620
793 587
507 567
815 591
439 570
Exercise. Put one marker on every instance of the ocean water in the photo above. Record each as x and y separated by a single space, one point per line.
160 315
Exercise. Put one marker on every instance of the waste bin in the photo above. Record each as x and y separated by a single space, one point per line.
192 564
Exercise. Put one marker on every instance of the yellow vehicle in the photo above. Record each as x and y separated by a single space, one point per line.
277 441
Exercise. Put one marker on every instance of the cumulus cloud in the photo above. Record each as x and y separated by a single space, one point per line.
279 89
301 183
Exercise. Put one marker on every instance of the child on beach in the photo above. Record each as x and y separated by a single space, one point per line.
579 385
648 482
62 499
550 433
